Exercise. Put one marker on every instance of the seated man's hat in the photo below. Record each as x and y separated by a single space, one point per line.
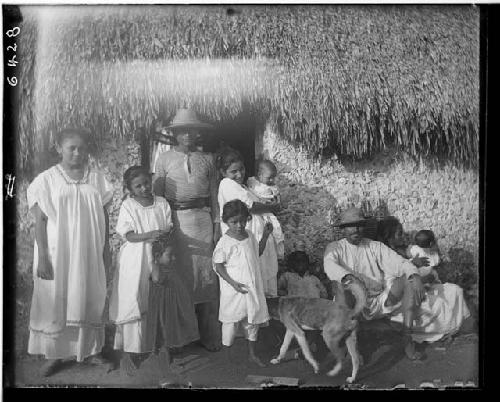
351 217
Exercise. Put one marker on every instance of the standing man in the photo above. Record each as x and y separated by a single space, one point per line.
392 283
187 178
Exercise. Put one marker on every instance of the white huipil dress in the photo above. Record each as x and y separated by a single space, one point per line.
230 190
129 299
241 259
66 312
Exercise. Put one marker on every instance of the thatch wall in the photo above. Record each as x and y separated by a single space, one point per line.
334 78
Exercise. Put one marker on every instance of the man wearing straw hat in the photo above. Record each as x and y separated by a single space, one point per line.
392 283
187 178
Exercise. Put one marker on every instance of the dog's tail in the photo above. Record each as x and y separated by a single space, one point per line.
359 294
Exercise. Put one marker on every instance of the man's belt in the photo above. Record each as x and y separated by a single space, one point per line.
191 204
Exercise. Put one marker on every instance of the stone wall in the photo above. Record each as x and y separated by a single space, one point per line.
444 200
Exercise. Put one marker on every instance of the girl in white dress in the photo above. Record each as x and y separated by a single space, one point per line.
69 201
236 261
143 219
231 187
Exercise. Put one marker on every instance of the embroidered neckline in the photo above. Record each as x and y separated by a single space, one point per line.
142 206
69 180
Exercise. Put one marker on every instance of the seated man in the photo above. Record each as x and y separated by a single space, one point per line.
392 283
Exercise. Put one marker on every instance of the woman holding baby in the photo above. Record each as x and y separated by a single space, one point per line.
443 311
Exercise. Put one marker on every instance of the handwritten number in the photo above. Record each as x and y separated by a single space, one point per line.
13 48
12 33
12 81
12 62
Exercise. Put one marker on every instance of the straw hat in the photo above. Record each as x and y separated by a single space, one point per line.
351 217
187 118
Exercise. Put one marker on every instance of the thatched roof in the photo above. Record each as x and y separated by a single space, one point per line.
349 78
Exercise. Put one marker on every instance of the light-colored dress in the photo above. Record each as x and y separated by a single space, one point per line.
444 308
188 177
269 194
302 286
129 299
66 312
230 190
241 259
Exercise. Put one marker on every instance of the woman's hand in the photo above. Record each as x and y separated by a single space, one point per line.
239 287
420 262
268 229
44 270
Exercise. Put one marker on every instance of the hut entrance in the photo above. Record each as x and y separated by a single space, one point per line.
239 134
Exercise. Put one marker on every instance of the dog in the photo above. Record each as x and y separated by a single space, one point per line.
334 318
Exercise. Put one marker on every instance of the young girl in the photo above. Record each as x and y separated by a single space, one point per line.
143 219
231 187
69 201
172 321
236 261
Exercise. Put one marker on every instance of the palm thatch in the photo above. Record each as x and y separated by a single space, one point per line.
353 79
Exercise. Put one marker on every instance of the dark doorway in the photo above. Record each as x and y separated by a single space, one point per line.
239 134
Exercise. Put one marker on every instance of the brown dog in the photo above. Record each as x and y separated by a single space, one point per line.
336 320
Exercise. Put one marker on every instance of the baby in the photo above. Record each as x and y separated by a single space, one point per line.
426 247
263 187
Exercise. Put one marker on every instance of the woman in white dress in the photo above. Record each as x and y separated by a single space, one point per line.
231 187
143 219
69 201
443 310
236 261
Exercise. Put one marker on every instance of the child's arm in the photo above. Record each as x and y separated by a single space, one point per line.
44 270
260 208
221 270
153 235
283 285
268 229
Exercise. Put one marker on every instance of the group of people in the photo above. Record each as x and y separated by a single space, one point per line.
201 247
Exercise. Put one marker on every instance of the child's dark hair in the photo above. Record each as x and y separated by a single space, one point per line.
227 157
234 208
429 238
159 246
296 257
71 132
266 163
130 174
387 229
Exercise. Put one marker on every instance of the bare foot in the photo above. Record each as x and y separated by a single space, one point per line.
411 352
127 366
211 347
254 359
50 367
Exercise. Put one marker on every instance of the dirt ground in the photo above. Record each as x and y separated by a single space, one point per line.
385 365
